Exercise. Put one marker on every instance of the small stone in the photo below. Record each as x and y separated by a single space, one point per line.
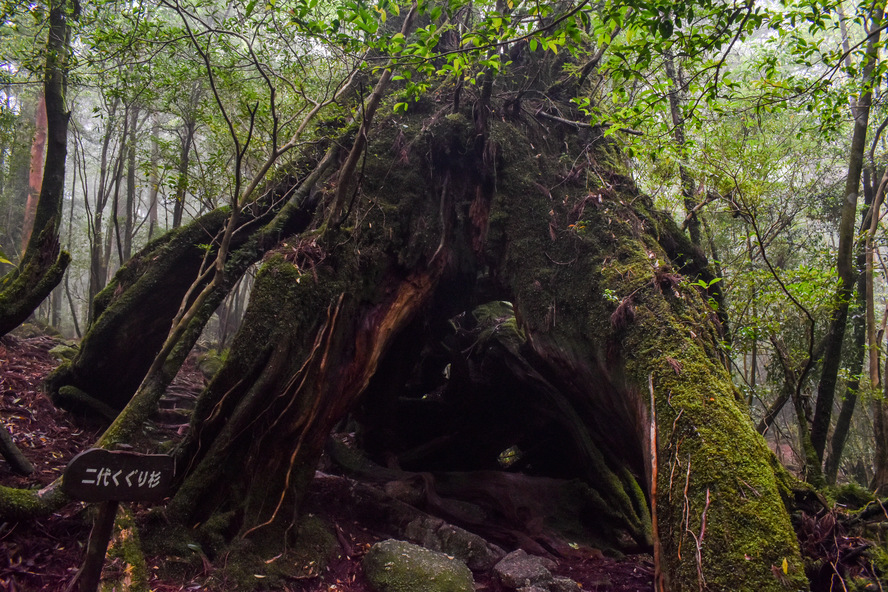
561 584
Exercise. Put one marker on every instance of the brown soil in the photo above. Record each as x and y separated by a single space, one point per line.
44 555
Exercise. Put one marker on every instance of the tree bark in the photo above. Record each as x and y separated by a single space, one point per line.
98 269
112 236
35 177
860 337
42 265
678 133
154 180
16 185
129 224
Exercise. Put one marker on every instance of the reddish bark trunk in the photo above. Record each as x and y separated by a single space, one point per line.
35 177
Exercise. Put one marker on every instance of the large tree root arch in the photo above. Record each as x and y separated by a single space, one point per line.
383 312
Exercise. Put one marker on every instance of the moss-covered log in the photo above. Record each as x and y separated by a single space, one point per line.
28 504
18 462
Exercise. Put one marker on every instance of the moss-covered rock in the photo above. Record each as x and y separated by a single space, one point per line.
437 535
210 362
65 351
397 566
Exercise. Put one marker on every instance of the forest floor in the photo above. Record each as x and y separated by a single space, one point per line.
44 555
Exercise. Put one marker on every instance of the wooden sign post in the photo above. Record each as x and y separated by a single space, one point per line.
110 477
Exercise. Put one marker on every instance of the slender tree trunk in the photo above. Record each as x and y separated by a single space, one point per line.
154 180
130 206
844 259
108 246
678 134
862 324
55 308
5 152
879 482
849 403
49 207
187 138
114 234
73 307
98 270
16 187
69 232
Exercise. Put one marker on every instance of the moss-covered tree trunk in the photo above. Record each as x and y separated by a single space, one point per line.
324 311
43 264
597 279
607 307
132 316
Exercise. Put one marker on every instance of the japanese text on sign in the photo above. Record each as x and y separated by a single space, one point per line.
103 475
134 478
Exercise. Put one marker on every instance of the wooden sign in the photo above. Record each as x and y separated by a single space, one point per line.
98 475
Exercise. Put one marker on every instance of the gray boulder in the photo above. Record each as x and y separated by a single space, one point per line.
520 570
529 573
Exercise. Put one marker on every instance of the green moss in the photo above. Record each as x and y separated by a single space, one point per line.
126 547
210 362
849 495
314 545
214 533
266 564
22 504
182 553
879 561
